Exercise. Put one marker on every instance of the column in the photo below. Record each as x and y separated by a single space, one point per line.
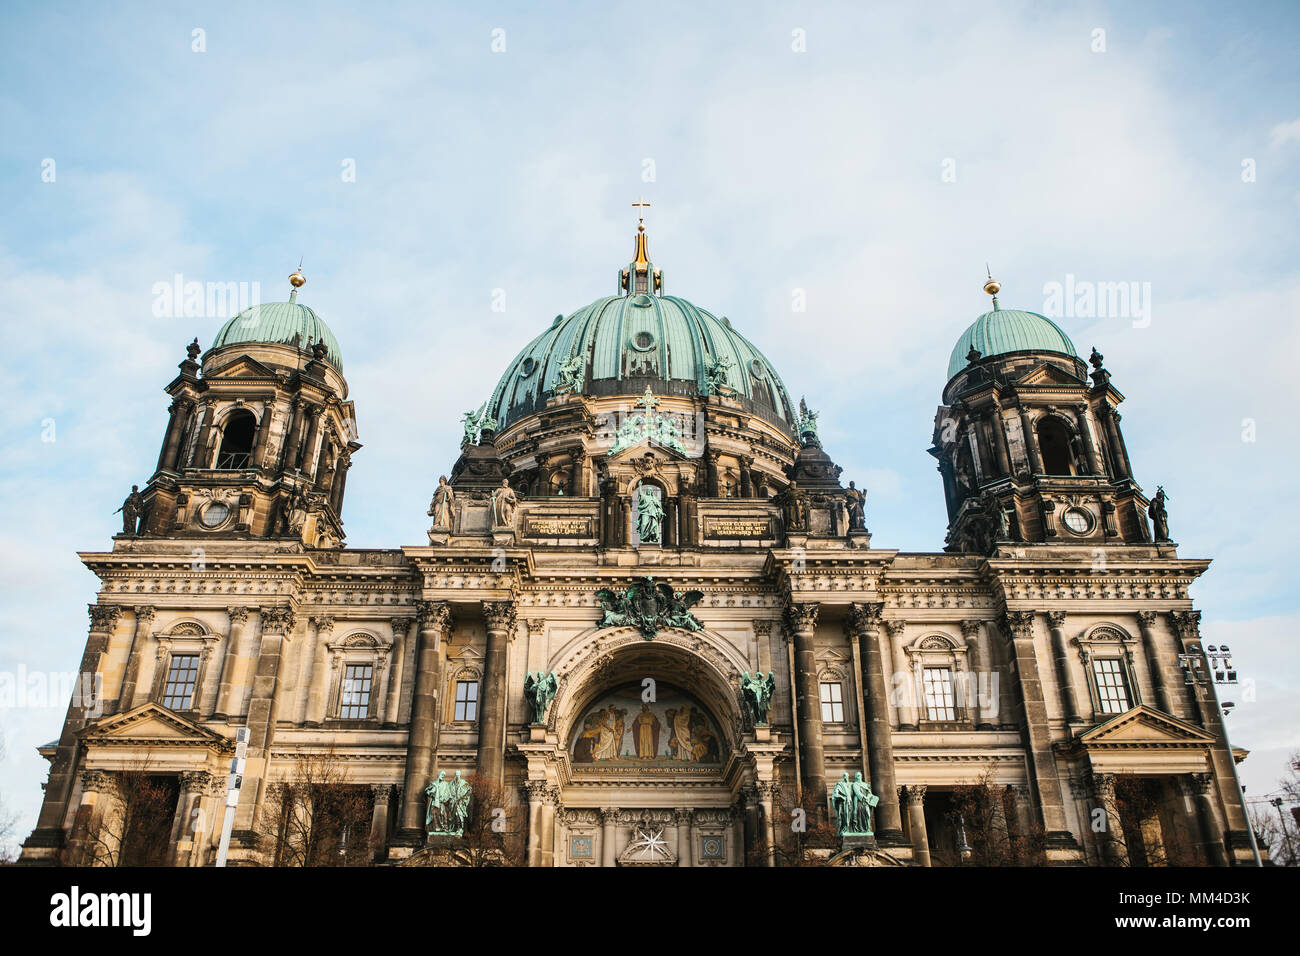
916 823
1117 451
58 788
277 624
379 819
1060 649
685 837
185 843
1089 442
401 626
263 437
500 619
307 459
865 619
340 481
202 456
607 836
1187 625
434 622
711 466
737 816
746 478
172 437
144 616
234 650
1146 620
1019 626
95 786
550 803
998 428
320 681
535 790
1031 442
766 791
1113 849
801 621
1196 788
288 449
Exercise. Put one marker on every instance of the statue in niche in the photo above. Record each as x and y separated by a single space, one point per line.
856 501
539 691
440 507
1159 516
649 515
794 507
758 691
504 503
132 511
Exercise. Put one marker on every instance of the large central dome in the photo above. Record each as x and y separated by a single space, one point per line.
640 340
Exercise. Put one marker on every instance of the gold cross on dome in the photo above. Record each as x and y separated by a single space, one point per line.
643 205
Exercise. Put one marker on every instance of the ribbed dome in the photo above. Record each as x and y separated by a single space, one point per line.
632 342
1009 330
277 323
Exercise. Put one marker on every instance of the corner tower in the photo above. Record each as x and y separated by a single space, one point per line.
260 435
1030 450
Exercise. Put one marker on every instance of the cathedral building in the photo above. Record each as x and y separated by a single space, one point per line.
649 625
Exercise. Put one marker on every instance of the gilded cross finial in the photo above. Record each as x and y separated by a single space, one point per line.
649 400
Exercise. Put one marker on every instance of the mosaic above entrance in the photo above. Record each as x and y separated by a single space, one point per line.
621 733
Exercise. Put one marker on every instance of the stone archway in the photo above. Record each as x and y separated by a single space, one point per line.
609 804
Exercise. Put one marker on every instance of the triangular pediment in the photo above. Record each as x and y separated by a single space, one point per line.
243 366
1046 373
153 723
637 452
1145 726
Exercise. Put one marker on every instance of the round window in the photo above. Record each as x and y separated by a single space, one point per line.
214 514
529 366
1077 520
756 368
643 341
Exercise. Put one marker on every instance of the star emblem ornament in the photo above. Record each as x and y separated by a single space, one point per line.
650 845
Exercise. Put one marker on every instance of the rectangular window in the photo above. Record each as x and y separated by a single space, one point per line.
354 701
833 703
182 675
1112 691
939 702
466 700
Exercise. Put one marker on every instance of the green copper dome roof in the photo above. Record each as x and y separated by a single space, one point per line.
1009 330
631 342
278 323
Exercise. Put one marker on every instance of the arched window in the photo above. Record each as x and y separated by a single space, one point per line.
1054 444
237 440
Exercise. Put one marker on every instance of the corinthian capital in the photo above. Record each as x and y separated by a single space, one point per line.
1019 624
145 614
1187 624
238 614
500 615
277 620
866 616
434 614
798 616
103 617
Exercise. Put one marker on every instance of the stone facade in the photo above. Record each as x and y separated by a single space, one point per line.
1035 660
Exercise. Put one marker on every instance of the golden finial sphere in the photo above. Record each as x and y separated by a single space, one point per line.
297 280
993 286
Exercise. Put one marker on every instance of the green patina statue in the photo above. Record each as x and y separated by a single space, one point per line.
807 421
649 515
568 378
758 691
649 607
716 375
448 805
854 805
539 691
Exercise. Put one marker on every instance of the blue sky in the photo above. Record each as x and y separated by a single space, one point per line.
828 171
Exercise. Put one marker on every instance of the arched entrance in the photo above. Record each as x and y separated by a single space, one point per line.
648 754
